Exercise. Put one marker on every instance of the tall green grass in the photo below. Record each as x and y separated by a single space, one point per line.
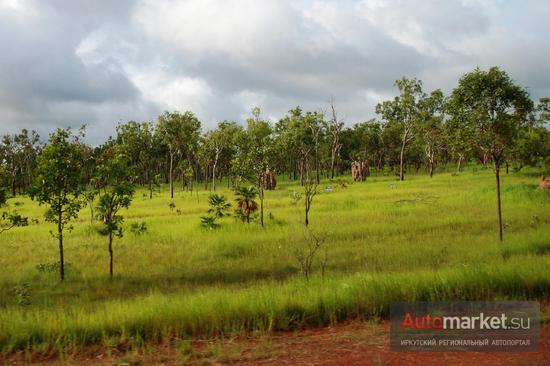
385 240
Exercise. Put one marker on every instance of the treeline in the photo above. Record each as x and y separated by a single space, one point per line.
416 130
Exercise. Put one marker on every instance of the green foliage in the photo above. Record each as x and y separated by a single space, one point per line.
3 197
138 228
58 179
219 206
246 204
115 192
209 222
9 220
492 107
23 294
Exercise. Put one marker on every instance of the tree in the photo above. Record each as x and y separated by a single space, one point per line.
246 204
495 109
335 130
18 154
431 127
113 177
180 133
404 111
310 191
253 155
138 142
218 205
58 184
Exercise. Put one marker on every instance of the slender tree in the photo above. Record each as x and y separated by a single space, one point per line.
404 111
180 133
58 184
494 108
115 193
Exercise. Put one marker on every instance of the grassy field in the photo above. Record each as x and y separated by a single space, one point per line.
421 239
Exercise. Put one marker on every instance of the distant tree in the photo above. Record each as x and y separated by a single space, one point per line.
254 155
494 109
58 184
404 111
18 155
180 133
431 127
113 176
138 141
533 145
335 130
310 191
214 144
366 143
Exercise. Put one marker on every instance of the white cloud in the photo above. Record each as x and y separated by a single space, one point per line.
104 61
171 91
208 28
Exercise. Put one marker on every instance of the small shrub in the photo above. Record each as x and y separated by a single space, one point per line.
209 222
51 267
138 228
23 294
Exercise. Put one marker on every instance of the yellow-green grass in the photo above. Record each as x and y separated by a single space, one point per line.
386 240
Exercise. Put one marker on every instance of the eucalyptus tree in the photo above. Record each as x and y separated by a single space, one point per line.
180 133
114 176
404 111
494 108
18 153
431 127
58 183
254 154
334 128
533 144
219 147
139 144
366 143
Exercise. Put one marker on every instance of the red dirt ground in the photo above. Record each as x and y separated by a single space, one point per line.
350 344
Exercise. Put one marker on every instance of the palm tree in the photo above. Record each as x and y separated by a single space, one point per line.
218 205
245 202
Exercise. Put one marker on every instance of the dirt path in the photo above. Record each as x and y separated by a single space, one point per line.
350 345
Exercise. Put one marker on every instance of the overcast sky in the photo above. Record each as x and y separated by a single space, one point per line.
64 63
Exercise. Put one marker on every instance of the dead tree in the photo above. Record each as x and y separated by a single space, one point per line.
335 130
310 191
305 256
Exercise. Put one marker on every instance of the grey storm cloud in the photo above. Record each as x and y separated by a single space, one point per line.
65 63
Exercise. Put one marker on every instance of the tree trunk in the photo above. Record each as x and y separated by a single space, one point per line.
214 176
459 167
110 254
402 157
499 208
317 174
262 205
60 238
170 174
332 163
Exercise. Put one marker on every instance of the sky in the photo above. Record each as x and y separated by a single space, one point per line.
102 62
